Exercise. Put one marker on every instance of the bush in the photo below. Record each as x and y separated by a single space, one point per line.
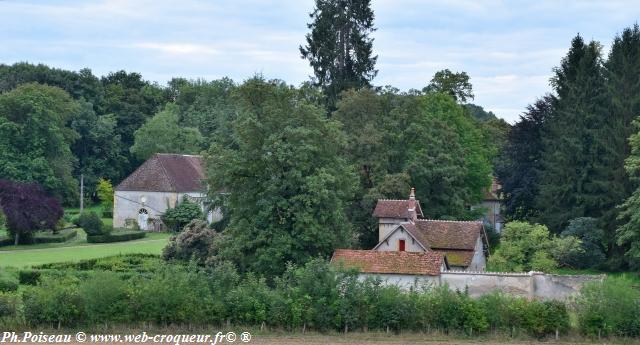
9 305
8 282
60 237
105 298
91 223
173 295
195 242
610 307
176 218
55 302
119 236
28 277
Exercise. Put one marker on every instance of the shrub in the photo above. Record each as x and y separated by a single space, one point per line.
585 229
105 298
8 282
610 307
60 237
54 302
195 242
9 304
173 295
91 223
176 218
120 236
28 277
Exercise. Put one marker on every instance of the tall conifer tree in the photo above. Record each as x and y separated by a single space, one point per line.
578 144
339 47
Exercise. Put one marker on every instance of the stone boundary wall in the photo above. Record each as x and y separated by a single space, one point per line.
534 285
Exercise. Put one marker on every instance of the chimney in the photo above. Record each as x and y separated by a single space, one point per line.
412 205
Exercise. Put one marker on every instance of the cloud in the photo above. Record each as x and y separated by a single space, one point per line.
508 48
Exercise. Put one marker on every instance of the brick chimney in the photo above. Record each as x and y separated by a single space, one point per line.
412 205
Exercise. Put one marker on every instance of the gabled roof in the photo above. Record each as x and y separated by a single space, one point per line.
167 173
386 208
446 234
391 262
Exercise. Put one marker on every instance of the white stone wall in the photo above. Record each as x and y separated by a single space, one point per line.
391 244
404 281
531 285
127 204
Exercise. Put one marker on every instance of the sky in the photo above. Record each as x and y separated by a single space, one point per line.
508 48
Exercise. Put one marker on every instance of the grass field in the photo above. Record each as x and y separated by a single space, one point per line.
22 256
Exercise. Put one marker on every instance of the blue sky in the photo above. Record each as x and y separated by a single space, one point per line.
508 47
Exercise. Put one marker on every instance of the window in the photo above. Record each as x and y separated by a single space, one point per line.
401 245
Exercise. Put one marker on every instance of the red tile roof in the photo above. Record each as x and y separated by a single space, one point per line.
395 209
167 173
446 234
392 262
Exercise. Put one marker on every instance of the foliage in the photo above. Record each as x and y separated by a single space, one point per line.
27 209
104 189
339 48
8 282
54 302
591 236
456 85
518 167
178 217
287 184
116 236
627 234
523 247
195 242
105 297
164 134
609 307
34 139
399 140
92 224
578 164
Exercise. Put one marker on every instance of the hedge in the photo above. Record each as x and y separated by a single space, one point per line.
120 236
44 237
62 236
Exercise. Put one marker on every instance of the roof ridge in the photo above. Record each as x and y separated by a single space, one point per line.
447 221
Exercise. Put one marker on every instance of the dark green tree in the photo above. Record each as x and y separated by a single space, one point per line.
132 101
456 85
339 47
287 184
518 167
35 140
578 157
163 133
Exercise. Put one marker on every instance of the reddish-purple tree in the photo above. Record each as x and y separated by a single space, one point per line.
28 208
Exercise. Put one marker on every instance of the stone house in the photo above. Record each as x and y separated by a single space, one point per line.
492 203
402 228
158 184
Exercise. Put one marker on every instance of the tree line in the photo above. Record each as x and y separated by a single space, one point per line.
572 154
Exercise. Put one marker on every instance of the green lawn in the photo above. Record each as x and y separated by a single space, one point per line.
21 256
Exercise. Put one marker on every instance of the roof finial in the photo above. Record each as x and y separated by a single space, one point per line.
412 195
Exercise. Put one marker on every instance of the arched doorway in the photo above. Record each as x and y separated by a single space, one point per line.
143 219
